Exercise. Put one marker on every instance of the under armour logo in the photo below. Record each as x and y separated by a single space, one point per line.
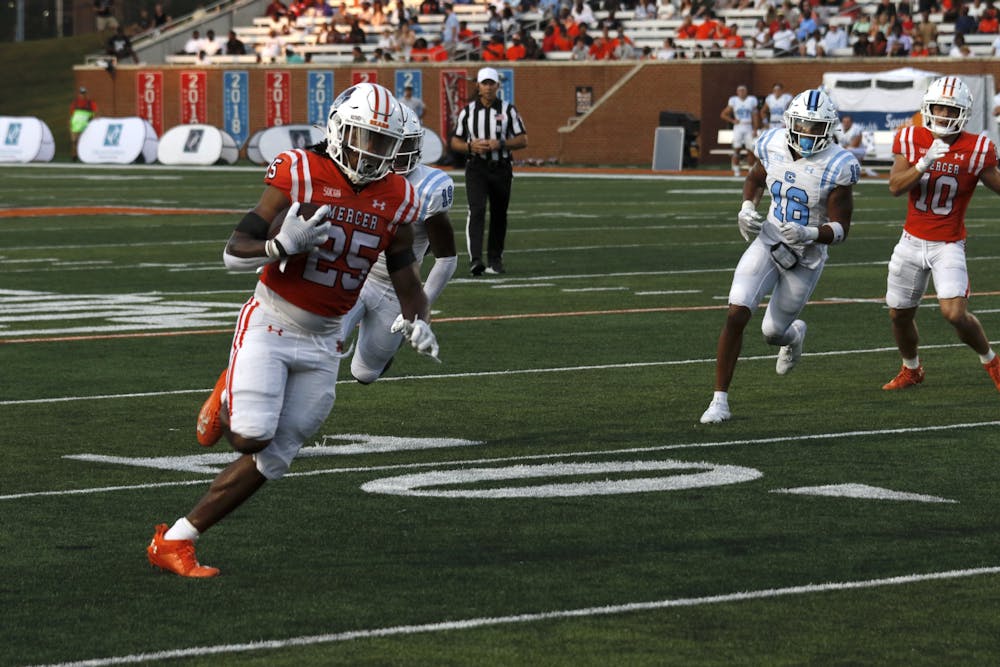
379 204
271 329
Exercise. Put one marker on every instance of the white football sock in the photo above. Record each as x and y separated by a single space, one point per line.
913 364
182 530
988 357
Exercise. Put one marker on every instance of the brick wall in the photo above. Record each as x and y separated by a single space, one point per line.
618 131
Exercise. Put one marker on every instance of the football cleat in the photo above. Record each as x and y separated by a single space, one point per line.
789 355
209 426
176 556
477 268
907 377
717 412
993 368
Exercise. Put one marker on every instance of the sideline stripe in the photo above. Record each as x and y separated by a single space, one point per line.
481 622
478 374
49 211
529 457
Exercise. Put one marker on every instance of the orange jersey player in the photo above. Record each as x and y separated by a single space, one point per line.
939 165
279 386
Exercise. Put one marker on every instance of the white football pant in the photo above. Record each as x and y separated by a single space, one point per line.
914 261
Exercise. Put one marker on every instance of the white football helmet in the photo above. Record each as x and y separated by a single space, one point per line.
364 131
947 91
810 123
410 150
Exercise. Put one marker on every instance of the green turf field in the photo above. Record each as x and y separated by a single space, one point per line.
580 514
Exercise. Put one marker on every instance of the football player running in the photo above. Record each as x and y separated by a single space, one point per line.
810 180
741 112
285 355
939 165
381 329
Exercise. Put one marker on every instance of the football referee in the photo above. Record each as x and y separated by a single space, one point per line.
487 130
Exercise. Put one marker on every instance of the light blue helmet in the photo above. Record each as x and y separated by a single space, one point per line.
810 122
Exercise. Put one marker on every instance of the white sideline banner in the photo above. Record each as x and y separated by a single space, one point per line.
25 139
118 141
196 144
266 145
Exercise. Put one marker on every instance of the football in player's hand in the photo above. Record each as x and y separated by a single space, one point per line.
306 210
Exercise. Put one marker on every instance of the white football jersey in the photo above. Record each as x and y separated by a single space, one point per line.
743 109
436 193
799 188
776 107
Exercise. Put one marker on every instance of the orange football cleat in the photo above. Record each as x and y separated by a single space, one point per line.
209 427
176 556
993 368
907 378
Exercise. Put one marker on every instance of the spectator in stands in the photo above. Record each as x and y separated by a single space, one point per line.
861 26
624 46
120 46
406 37
437 53
450 28
707 29
834 40
580 50
104 15
646 10
415 104
556 38
959 49
926 29
899 43
493 22
276 11
160 17
880 45
235 47
194 45
273 47
807 26
430 7
468 39
862 47
582 13
387 41
989 22
603 47
668 51
211 46
784 42
508 20
976 9
81 111
495 49
761 35
343 16
357 34
357 55
687 29
516 50
420 53
142 24
919 49
965 24
886 8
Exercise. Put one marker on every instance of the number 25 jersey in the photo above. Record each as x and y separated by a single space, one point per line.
327 280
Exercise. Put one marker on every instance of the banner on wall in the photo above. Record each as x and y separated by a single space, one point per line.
194 103
149 99
319 97
409 77
236 105
506 91
363 76
454 96
278 93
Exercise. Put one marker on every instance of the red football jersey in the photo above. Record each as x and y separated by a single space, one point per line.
937 203
327 280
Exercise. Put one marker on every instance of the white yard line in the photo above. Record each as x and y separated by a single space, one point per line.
530 617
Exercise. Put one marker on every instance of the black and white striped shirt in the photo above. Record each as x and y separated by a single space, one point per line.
499 121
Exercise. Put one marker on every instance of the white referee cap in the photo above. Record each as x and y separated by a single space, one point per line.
487 74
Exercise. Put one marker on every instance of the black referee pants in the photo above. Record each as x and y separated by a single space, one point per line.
487 181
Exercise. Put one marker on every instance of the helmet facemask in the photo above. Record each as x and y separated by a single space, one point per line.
412 146
809 123
948 91
364 131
